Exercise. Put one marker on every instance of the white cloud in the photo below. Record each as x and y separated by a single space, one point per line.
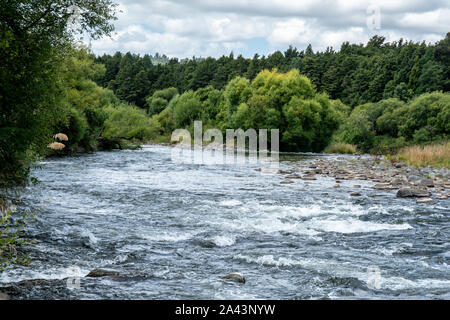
206 27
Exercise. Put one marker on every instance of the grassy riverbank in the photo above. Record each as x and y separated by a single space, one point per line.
434 155
423 156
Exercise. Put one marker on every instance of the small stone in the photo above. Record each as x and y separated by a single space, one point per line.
287 181
413 178
381 186
285 171
308 178
426 182
293 176
355 193
397 181
357 186
424 200
336 186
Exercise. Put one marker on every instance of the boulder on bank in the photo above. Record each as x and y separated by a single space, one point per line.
410 193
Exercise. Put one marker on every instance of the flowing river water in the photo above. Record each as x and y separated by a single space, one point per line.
181 227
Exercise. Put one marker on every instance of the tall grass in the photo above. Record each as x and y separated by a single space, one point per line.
431 155
340 147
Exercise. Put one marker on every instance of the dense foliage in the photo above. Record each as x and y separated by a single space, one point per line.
43 81
356 74
34 39
386 125
273 100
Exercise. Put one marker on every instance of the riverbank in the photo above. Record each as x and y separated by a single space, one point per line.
426 184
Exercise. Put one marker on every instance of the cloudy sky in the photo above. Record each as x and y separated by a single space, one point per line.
184 28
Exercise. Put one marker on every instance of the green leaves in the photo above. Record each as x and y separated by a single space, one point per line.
390 124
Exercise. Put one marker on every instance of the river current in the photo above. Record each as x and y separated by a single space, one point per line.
184 226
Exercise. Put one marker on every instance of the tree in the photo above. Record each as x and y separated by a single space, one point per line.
34 36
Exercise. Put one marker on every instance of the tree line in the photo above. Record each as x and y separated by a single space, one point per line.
356 74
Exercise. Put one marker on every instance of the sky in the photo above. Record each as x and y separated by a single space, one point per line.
202 28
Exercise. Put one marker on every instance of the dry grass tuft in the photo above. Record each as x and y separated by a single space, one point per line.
340 147
56 146
421 156
61 137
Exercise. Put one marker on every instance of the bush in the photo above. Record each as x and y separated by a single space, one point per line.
391 124
11 226
358 130
340 147
186 109
157 105
426 110
130 123
160 99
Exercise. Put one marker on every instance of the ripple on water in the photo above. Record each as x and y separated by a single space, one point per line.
187 225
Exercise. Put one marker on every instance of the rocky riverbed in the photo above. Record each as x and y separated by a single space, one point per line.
425 184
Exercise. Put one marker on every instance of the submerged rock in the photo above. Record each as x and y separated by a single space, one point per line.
98 273
287 181
424 200
408 193
101 273
239 277
355 194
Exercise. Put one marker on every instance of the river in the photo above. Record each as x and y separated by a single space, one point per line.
184 226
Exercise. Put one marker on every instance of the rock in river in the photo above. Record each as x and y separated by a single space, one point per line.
239 277
407 193
100 273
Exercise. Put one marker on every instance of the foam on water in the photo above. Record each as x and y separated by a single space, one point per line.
168 236
354 226
230 203
223 241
